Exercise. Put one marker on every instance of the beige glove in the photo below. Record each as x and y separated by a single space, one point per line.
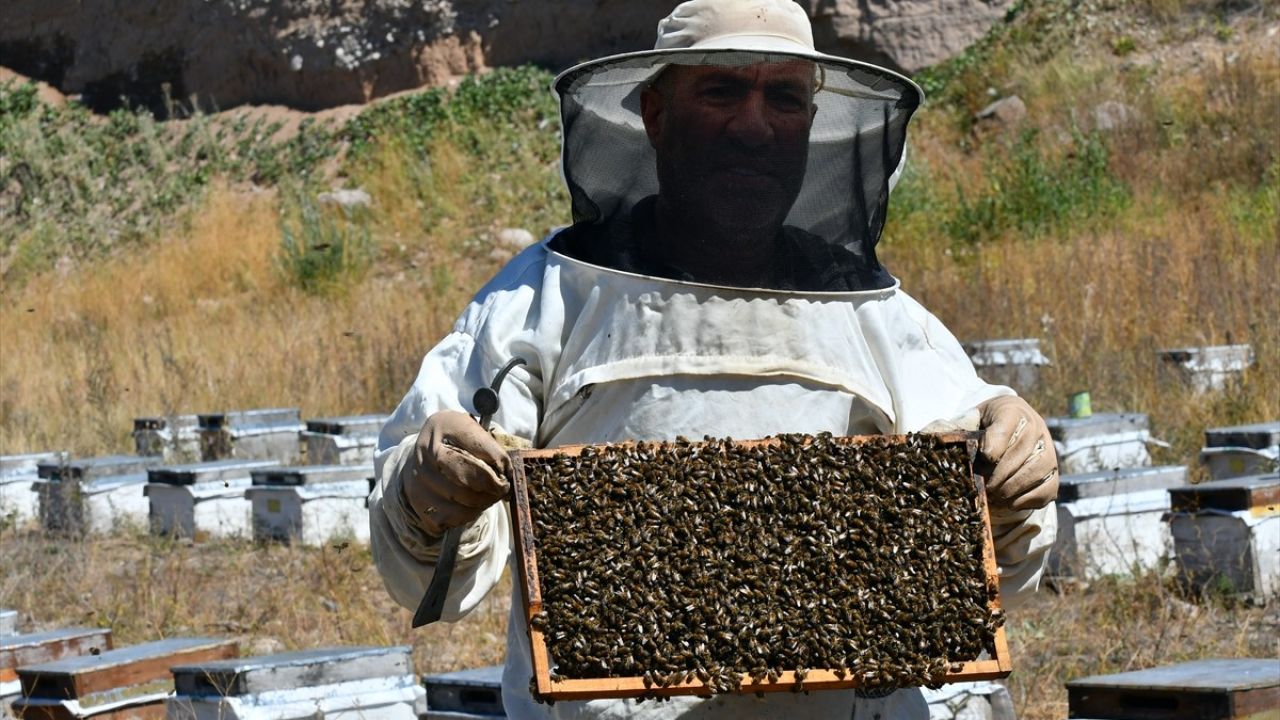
1016 456
457 470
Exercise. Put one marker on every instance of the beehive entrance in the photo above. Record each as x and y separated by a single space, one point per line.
692 568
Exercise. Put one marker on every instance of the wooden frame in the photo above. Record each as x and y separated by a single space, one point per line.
629 687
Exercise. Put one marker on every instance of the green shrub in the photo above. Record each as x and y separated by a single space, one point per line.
322 249
1033 193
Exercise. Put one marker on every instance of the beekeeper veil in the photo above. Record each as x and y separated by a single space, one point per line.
748 142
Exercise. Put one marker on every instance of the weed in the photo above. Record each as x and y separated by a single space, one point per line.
323 250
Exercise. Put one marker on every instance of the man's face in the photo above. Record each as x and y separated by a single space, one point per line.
731 142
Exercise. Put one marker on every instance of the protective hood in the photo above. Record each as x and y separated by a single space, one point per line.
724 166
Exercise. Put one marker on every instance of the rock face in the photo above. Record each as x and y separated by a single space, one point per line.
313 54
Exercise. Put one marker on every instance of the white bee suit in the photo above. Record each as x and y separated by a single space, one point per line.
615 356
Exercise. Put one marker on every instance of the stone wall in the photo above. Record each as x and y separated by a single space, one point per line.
313 54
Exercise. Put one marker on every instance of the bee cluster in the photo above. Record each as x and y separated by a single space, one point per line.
715 560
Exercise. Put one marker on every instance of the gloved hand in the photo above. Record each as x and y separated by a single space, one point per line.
457 470
1016 456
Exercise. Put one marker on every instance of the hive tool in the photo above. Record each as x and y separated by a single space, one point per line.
429 610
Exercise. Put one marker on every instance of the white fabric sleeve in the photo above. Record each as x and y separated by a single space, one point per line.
1022 542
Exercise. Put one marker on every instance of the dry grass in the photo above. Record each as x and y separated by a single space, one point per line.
274 598
204 320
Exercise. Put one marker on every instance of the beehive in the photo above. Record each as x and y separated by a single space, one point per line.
789 563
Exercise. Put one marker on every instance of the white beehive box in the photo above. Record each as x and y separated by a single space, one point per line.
176 438
200 500
92 495
345 683
8 622
1242 450
19 502
347 440
268 434
311 504
1014 362
1210 367
1111 522
474 694
1226 535
1101 442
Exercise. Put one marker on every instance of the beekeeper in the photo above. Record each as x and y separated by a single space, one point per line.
720 277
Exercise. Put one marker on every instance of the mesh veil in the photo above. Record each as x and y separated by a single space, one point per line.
855 145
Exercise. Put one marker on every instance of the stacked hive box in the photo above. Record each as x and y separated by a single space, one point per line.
348 440
30 649
1208 368
176 438
203 499
1100 442
1241 450
1015 363
267 434
1111 522
92 495
1226 535
129 683
310 504
369 683
19 503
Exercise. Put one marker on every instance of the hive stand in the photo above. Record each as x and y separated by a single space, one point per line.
1242 450
19 502
370 683
1226 535
347 440
1100 442
311 504
91 495
268 434
1197 690
1014 362
126 684
474 694
200 500
176 438
525 542
1111 522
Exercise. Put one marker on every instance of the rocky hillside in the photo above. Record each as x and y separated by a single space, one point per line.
314 54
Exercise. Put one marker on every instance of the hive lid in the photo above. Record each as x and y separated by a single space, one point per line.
285 671
1235 494
1214 675
192 473
347 425
250 418
1257 435
166 422
310 474
1064 429
98 467
1121 480
13 466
